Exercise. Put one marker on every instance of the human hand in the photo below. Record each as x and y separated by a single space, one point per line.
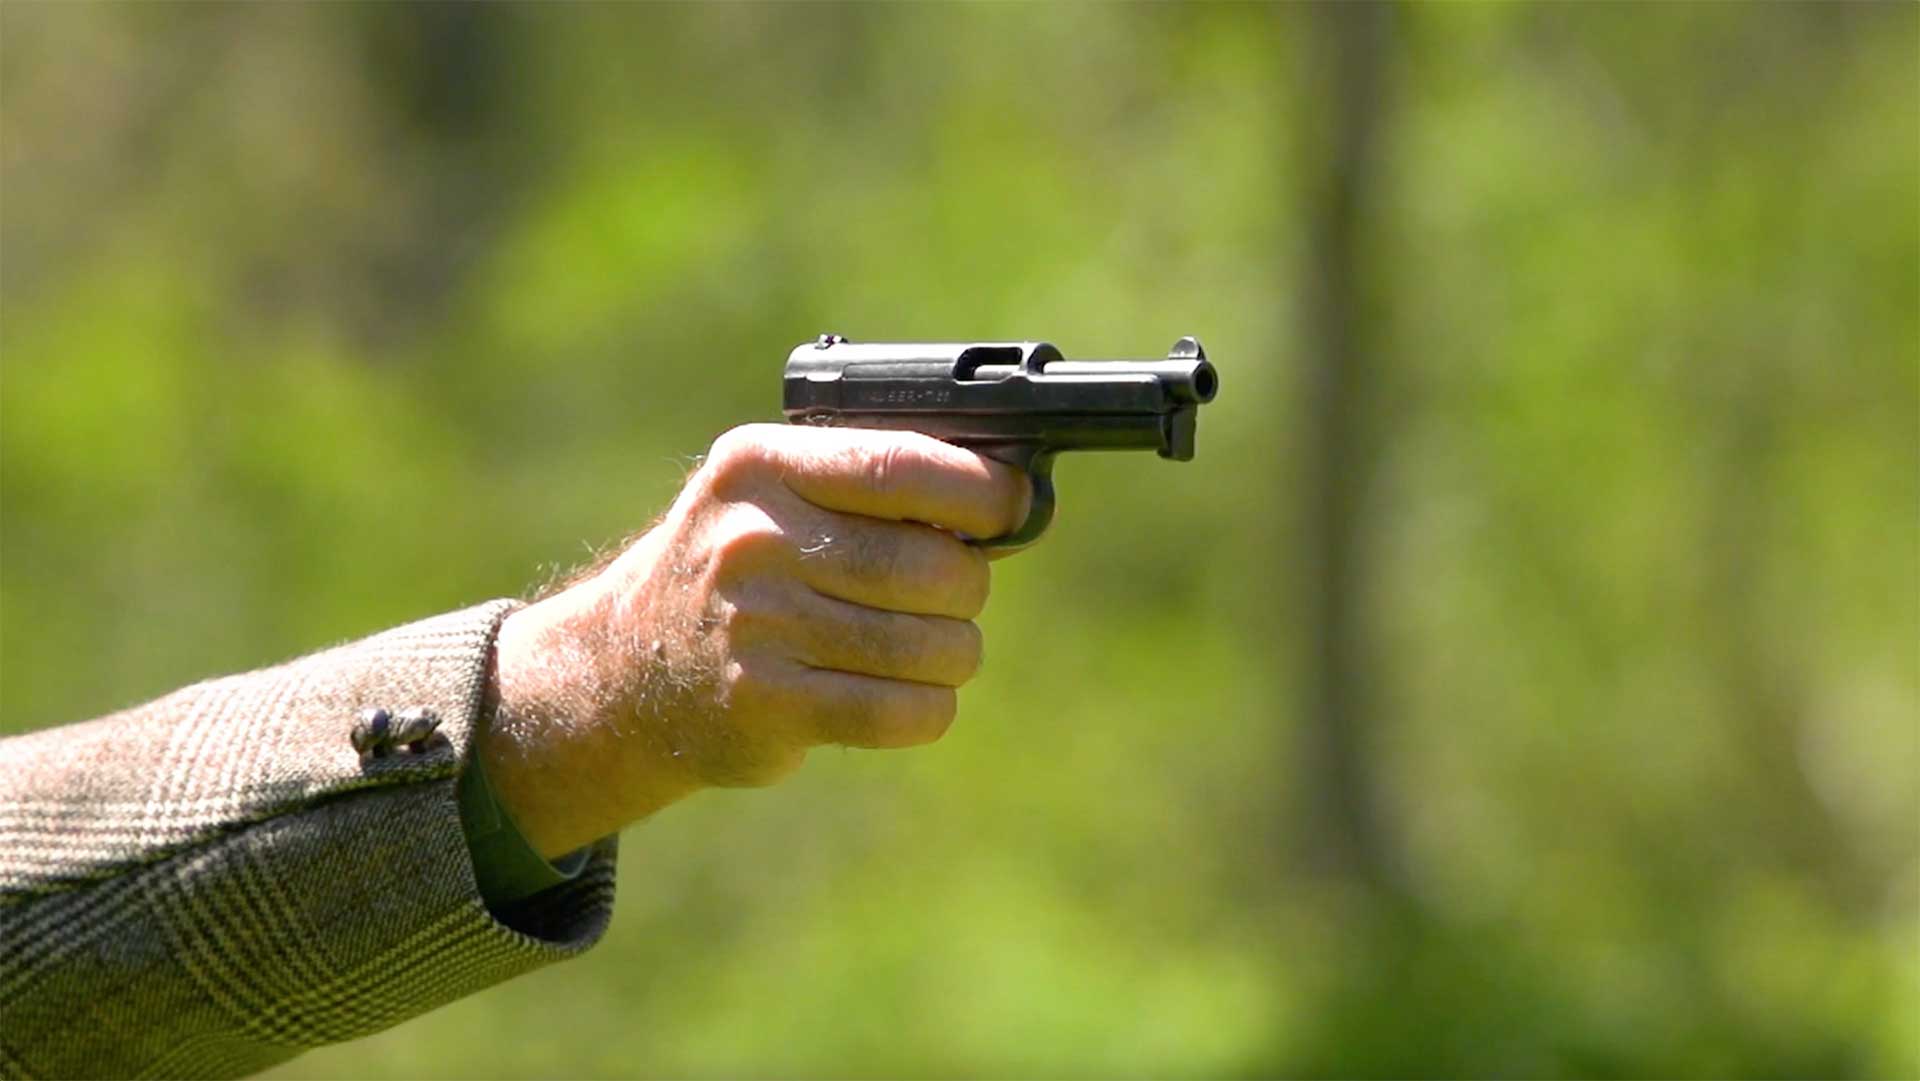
793 595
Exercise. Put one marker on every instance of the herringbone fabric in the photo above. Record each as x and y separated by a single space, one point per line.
215 881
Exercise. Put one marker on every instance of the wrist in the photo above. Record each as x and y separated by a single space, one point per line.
559 758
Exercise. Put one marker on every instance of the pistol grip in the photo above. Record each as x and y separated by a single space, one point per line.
1038 465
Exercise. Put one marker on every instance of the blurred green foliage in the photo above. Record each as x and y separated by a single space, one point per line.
320 318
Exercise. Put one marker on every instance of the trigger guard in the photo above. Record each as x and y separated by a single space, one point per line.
1039 469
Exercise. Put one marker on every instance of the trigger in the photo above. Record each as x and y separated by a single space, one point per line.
1039 511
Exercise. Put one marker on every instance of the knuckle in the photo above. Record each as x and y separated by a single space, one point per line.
972 582
740 454
969 651
886 466
742 752
758 689
753 617
876 644
746 536
913 716
899 716
872 555
855 720
752 681
896 716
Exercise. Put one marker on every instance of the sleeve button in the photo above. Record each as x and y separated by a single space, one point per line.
412 728
370 733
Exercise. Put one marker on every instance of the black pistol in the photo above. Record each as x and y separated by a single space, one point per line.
1019 402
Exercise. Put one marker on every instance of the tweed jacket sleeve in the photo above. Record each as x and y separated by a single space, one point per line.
215 881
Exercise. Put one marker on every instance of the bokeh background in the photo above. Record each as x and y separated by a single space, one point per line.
1522 680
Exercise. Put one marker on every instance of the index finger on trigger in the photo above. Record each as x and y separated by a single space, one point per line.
904 476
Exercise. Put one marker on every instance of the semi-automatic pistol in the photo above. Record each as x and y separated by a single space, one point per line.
1019 402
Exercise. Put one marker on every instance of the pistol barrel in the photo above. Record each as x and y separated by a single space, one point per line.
1188 380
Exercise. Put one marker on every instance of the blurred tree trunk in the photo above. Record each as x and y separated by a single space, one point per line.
1761 685
1746 408
1346 59
445 72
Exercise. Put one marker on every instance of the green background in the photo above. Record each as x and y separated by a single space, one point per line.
1521 681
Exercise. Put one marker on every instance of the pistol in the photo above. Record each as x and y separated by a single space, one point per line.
1019 402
